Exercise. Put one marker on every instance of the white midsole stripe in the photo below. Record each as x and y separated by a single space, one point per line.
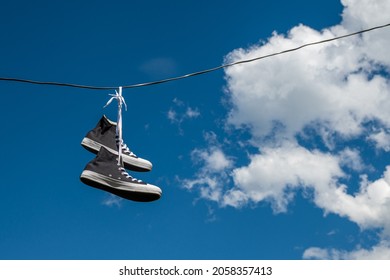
118 184
128 159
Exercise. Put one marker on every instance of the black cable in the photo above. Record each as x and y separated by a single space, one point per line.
194 73
55 84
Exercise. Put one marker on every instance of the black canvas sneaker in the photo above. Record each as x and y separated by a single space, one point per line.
104 172
104 135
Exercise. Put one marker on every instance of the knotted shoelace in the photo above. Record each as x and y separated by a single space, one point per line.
118 96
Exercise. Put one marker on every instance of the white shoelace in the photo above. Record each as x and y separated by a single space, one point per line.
124 173
118 96
124 147
126 150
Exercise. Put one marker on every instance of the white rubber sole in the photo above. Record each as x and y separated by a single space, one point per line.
140 193
129 161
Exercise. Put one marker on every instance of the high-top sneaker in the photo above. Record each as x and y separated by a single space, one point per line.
104 172
104 134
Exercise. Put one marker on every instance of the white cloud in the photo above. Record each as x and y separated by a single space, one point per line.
351 159
214 159
112 200
213 176
377 252
321 86
381 139
337 92
179 112
207 184
367 208
317 253
192 113
172 116
272 173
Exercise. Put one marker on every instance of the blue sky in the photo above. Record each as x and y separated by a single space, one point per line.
284 158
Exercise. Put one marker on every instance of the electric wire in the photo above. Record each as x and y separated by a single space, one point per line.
56 84
193 73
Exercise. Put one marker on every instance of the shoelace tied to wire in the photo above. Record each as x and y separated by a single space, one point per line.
121 146
121 100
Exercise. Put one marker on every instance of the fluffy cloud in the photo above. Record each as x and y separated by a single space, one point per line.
112 200
331 87
382 139
276 171
180 112
378 252
365 14
213 175
336 92
214 159
368 207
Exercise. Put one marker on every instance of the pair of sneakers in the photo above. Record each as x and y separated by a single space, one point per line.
105 172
